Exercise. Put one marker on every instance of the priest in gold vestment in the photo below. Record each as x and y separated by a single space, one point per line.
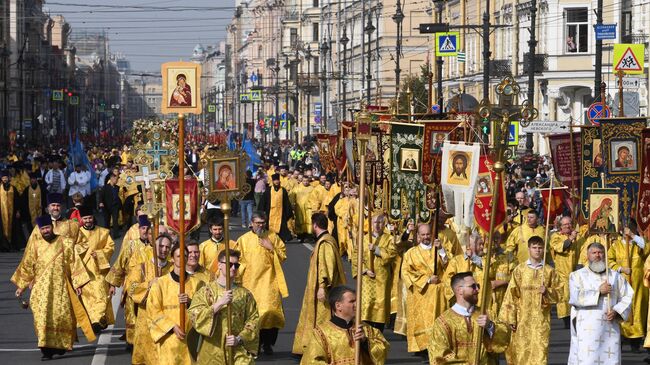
333 341
163 308
33 200
517 242
262 254
192 266
534 288
325 272
96 255
422 273
207 314
565 248
302 208
377 284
10 230
453 335
116 277
627 256
144 270
275 203
343 220
53 268
211 247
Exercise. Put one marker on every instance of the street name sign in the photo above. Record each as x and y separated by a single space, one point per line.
605 31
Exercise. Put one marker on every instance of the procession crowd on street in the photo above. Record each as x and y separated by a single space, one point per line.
420 280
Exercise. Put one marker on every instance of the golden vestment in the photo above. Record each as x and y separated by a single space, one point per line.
164 313
95 294
646 283
212 327
344 224
261 273
452 338
463 263
202 274
275 210
34 203
375 305
302 208
332 344
7 211
618 255
526 308
210 252
566 261
142 270
53 269
325 271
417 268
517 242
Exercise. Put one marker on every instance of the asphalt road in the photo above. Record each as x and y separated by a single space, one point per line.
18 341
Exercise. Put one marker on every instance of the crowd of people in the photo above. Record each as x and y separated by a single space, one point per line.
420 280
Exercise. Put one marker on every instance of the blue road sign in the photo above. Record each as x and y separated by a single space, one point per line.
435 109
605 31
253 78
598 111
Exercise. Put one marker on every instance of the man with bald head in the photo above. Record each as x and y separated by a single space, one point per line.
423 268
565 247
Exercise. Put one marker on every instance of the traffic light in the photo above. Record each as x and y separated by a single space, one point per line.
485 127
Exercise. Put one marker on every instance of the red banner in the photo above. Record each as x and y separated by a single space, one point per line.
483 196
568 173
557 204
172 204
326 151
435 133
643 208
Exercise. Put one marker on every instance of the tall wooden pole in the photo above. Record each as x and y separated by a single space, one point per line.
226 209
360 250
155 234
371 197
181 208
548 225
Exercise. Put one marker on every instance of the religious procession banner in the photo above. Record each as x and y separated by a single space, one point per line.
566 170
435 134
459 174
407 191
557 203
483 196
603 215
172 205
643 208
623 159
591 165
326 151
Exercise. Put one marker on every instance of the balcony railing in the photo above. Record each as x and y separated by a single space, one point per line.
312 82
634 38
500 68
541 63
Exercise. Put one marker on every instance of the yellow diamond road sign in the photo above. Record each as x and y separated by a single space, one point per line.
629 58
447 44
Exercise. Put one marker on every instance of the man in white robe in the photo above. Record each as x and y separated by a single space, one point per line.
595 323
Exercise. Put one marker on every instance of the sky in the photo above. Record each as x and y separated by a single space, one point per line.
147 32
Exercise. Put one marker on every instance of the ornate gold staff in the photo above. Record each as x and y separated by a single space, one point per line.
181 209
226 209
363 136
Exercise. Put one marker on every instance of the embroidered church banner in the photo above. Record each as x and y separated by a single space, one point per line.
459 173
591 166
567 171
483 196
643 208
435 134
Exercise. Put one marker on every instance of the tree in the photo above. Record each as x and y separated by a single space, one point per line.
419 93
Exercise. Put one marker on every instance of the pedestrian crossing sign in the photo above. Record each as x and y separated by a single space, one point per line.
447 44
245 97
256 95
57 95
513 133
629 58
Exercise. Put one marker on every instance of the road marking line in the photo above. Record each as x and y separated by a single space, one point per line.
80 347
309 246
105 338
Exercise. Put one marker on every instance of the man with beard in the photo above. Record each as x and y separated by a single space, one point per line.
325 273
333 341
210 248
533 289
53 261
275 204
454 333
117 275
96 255
460 166
62 226
601 299
144 270
10 236
262 254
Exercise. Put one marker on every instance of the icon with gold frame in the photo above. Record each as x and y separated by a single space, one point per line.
226 173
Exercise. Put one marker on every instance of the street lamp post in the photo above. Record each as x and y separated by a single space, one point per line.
344 40
439 60
276 122
324 48
308 57
398 18
369 29
287 66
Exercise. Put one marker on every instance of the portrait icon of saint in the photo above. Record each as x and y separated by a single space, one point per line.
409 162
182 94
483 186
226 178
602 219
624 160
459 166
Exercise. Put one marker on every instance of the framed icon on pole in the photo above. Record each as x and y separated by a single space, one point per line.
181 87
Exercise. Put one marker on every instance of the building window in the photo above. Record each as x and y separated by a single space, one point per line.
626 28
314 32
315 3
293 36
577 26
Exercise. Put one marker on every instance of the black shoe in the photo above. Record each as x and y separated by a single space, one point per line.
123 337
567 322
97 328
47 353
46 357
268 350
647 360
129 347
